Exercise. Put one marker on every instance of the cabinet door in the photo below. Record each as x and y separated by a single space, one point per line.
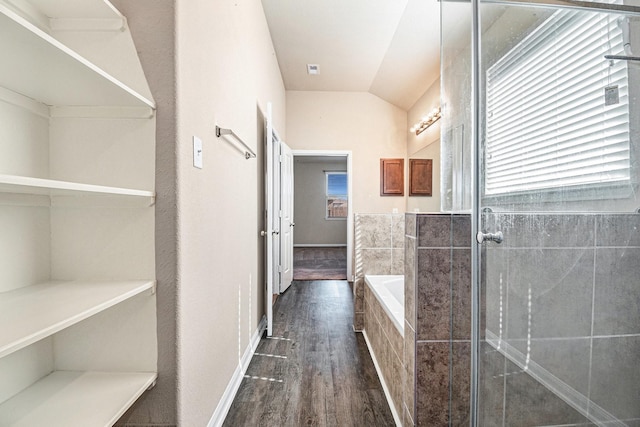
420 177
392 177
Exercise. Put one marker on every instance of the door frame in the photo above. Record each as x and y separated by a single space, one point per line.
339 153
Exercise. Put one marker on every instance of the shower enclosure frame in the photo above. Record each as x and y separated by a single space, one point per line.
478 237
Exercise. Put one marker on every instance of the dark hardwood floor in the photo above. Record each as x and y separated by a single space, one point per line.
320 263
314 371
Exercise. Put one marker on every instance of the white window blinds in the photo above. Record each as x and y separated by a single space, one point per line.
547 123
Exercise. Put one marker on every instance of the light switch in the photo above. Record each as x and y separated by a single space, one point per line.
197 152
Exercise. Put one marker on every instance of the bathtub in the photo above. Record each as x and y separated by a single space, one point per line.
389 290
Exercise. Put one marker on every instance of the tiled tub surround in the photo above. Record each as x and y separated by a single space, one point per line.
437 319
387 345
563 304
379 250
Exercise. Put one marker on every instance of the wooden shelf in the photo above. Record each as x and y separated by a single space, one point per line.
49 187
38 311
38 66
68 398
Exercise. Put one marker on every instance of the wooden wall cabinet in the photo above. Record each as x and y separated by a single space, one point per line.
420 177
77 253
392 177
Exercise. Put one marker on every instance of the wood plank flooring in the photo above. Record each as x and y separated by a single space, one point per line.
320 263
314 371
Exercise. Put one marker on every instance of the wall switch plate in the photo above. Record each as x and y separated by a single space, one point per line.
197 152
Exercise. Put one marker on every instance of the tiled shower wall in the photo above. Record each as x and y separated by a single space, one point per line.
379 249
437 332
563 304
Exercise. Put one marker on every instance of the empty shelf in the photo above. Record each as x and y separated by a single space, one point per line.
35 312
69 398
77 9
50 187
39 67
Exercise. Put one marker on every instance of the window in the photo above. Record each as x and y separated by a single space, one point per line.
547 124
336 192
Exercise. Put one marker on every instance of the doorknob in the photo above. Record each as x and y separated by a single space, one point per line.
263 233
496 237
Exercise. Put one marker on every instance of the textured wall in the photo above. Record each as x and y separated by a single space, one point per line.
152 27
360 122
311 205
227 72
207 63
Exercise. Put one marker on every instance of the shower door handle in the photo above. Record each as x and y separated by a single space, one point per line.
496 237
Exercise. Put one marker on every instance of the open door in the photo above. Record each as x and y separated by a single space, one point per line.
270 137
278 217
286 217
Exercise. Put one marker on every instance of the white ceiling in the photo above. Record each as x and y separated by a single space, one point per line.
390 48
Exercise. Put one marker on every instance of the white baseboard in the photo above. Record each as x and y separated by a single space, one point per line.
320 245
387 392
232 388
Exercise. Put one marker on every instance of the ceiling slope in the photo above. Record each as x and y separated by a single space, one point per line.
389 48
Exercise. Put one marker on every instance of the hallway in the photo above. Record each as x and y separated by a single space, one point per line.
320 263
314 370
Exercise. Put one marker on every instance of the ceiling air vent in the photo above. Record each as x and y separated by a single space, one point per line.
313 69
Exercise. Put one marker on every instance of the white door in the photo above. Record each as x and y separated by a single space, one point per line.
286 217
270 208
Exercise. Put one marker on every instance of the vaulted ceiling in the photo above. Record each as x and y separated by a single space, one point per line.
390 48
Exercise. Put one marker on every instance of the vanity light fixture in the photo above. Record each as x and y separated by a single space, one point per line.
426 121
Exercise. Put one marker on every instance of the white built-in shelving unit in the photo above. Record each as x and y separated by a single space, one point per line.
77 254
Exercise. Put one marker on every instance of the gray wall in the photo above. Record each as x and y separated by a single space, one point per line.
156 50
310 204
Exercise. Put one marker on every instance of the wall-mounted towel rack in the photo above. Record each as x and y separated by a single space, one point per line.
248 152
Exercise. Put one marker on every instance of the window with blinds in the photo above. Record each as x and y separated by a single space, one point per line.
547 124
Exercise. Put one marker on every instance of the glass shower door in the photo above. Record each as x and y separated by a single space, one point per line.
558 289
